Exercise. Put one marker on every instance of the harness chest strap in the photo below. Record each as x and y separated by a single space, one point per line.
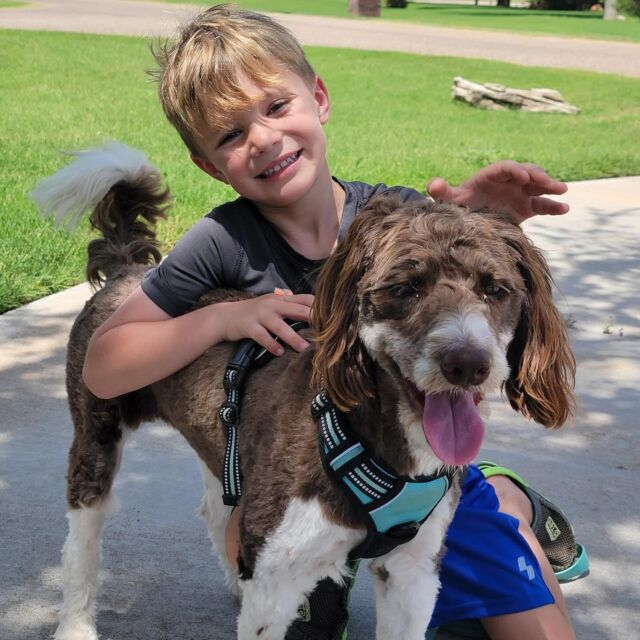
392 506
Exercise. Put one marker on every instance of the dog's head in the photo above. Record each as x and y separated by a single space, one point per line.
452 305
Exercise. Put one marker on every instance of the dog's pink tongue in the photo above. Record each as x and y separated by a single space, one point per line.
453 427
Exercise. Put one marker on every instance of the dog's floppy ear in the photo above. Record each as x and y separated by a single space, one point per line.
542 376
341 364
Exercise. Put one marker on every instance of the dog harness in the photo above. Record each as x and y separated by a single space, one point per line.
248 356
393 507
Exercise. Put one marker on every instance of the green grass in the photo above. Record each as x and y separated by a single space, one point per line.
11 3
64 91
577 24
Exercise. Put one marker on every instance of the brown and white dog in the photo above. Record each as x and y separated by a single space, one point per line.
421 309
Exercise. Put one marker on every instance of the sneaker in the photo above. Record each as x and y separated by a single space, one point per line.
551 527
325 613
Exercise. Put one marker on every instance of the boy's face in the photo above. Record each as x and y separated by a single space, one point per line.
275 150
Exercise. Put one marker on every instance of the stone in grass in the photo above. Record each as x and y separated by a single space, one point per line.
498 97
369 8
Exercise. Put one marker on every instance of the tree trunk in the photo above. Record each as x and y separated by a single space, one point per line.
364 8
610 9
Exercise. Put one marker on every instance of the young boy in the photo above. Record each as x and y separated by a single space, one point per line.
249 107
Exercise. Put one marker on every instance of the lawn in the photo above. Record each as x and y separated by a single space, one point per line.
577 24
64 91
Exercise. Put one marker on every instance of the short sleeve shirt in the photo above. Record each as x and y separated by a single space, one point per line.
234 247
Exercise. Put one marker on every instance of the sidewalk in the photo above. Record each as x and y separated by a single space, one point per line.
153 19
160 580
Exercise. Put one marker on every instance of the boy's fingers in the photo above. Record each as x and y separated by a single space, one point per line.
439 189
543 182
508 171
538 189
301 298
305 299
547 206
265 339
295 311
290 337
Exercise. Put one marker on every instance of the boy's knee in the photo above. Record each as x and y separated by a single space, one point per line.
512 499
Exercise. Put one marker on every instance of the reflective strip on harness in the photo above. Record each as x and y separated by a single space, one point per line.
393 506
249 355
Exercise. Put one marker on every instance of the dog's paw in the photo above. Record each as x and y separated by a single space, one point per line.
75 631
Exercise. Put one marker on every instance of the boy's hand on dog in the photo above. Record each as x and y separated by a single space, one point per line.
512 188
263 317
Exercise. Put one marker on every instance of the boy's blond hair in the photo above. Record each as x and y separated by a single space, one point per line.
198 72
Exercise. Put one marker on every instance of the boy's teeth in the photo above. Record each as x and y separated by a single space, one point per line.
286 162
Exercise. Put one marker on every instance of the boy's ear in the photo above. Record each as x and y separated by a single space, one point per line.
204 165
321 96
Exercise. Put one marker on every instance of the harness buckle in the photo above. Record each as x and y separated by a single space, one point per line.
230 500
229 413
403 532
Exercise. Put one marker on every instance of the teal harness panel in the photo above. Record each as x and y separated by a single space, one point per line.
414 503
393 507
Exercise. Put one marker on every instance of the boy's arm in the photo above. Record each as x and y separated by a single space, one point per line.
515 189
140 343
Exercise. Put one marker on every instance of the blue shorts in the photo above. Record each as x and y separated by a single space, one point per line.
488 568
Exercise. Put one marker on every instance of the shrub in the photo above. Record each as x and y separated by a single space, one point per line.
632 7
562 5
397 4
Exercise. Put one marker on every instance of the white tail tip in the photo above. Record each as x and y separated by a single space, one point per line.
77 188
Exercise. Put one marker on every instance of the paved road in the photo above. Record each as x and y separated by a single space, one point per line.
146 18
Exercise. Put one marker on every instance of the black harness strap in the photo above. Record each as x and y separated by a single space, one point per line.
248 356
229 412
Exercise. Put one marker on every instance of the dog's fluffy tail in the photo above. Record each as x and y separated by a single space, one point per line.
125 195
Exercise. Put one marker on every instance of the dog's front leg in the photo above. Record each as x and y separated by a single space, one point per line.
81 564
406 580
302 550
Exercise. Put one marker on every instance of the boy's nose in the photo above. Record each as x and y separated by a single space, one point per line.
263 137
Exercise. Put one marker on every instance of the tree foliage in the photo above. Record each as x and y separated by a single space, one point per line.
632 7
562 5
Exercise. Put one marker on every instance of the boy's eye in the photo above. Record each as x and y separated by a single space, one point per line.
228 136
278 105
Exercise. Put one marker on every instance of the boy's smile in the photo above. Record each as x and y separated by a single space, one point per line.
273 152
276 169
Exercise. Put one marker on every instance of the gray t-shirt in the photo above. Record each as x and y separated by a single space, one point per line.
234 247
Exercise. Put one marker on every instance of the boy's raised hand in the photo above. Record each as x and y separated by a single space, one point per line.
512 188
265 316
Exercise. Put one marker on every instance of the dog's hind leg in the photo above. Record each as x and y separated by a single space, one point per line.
94 460
406 580
216 514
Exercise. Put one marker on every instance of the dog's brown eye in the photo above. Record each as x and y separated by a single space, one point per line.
409 289
495 290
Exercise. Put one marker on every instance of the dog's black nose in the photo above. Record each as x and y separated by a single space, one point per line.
466 366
